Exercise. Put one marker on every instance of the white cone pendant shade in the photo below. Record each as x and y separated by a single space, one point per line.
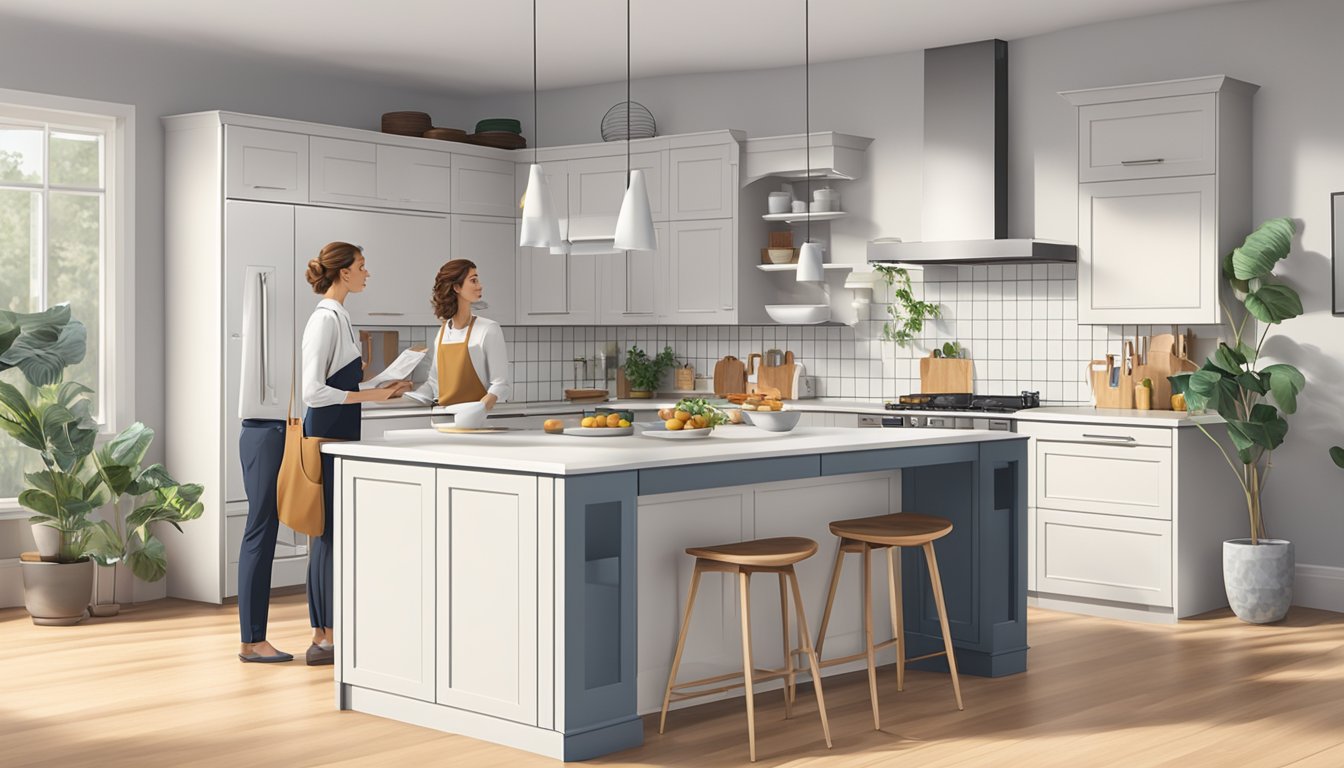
809 263
634 225
541 228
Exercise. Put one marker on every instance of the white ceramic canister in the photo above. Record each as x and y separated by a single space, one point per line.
779 202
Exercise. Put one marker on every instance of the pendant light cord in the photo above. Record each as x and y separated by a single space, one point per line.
536 134
807 115
627 94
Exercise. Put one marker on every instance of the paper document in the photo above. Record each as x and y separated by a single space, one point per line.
400 368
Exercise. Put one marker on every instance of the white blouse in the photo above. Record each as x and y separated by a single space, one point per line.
328 346
489 356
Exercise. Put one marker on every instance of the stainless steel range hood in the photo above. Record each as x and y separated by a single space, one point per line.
965 214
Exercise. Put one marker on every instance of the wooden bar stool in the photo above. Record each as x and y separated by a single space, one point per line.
889 532
744 559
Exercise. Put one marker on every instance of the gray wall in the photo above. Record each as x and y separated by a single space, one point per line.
163 79
1290 48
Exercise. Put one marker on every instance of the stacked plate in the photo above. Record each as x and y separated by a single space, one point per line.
407 123
507 124
446 134
642 125
498 139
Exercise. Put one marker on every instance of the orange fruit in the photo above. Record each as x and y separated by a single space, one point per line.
666 413
623 423
674 424
699 422
682 416
586 422
613 420
553 426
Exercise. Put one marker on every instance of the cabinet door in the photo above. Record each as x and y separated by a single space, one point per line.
483 186
265 165
387 577
258 261
344 171
490 242
1110 479
700 280
631 279
1105 557
597 184
487 593
402 252
556 289
415 179
1147 252
704 182
1147 138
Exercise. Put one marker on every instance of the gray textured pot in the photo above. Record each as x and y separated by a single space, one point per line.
1258 578
57 594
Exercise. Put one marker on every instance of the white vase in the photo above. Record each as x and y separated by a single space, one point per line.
47 539
1258 578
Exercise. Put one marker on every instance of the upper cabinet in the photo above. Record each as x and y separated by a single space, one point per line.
361 173
704 182
1164 175
489 242
265 165
597 184
416 179
483 186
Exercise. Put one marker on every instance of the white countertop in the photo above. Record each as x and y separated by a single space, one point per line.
1084 414
535 452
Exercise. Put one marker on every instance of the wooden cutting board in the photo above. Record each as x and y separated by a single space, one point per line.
778 377
730 375
943 375
1163 360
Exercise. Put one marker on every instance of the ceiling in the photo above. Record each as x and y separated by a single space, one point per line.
475 46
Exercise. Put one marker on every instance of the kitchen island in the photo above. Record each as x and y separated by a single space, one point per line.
525 588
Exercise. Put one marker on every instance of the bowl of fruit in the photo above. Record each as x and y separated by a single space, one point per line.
769 414
690 418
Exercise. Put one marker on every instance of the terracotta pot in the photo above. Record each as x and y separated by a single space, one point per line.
57 594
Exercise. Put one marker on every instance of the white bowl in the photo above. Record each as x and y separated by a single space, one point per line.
470 416
798 314
773 421
780 255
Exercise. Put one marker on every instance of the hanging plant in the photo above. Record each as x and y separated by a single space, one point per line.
905 313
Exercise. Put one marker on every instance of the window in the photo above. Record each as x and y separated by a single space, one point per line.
65 237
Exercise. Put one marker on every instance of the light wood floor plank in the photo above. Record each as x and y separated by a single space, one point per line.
160 685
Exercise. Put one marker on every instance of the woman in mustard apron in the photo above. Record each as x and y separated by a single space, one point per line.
470 361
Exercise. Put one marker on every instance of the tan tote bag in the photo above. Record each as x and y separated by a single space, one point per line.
298 491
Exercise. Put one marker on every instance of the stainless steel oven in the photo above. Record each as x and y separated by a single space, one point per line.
939 421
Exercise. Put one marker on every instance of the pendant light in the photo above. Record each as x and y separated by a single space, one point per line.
540 226
634 225
809 256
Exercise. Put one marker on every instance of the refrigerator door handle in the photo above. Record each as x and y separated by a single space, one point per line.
267 390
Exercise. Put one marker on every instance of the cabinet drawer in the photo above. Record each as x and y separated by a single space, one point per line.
1146 139
265 165
1103 557
1096 433
1134 481
343 171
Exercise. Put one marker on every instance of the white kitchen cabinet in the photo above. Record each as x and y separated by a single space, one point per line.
1164 191
487 595
556 289
265 165
700 282
402 252
343 171
633 279
703 182
597 184
484 186
1124 521
415 179
389 630
490 242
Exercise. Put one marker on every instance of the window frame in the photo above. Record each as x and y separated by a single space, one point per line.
117 340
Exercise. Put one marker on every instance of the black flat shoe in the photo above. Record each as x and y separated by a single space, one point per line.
318 656
256 658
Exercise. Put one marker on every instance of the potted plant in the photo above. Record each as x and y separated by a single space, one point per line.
1252 400
643 372
54 418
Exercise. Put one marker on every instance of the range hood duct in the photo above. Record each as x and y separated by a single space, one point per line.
965 205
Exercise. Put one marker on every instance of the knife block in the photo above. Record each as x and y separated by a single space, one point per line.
1099 375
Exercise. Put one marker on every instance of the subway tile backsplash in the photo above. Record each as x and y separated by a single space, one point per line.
1018 323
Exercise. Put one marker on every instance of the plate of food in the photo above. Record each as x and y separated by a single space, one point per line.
602 423
628 429
690 418
660 430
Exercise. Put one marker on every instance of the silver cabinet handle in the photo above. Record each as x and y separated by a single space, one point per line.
1115 438
266 186
264 288
385 314
1149 161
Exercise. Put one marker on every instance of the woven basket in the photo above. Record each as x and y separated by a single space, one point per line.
642 125
407 123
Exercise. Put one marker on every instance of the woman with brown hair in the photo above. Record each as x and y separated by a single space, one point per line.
471 361
332 390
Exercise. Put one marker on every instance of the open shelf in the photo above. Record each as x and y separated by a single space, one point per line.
794 267
792 217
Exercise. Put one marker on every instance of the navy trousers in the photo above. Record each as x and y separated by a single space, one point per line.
261 447
320 565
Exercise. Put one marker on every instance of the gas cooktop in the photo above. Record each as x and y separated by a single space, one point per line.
961 401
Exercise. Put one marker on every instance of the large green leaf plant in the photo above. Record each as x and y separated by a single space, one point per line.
1252 400
54 418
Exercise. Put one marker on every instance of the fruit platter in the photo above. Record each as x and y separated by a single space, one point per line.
690 418
601 422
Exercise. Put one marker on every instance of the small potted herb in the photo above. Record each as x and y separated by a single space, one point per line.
644 372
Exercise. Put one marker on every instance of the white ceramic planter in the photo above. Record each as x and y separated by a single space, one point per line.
1258 578
47 539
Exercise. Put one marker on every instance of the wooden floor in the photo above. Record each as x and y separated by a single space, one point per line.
160 685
